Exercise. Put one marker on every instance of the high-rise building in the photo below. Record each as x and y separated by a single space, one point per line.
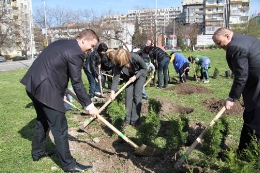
193 11
19 30
224 13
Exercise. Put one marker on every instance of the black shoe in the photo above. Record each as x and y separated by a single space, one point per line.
46 154
78 168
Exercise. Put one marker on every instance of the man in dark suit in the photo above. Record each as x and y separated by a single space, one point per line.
46 82
243 58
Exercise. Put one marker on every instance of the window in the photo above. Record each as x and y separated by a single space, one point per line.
211 2
234 12
219 9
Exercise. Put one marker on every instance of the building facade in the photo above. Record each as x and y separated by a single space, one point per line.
19 33
224 13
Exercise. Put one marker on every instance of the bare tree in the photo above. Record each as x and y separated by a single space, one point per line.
55 16
251 27
38 38
6 24
192 31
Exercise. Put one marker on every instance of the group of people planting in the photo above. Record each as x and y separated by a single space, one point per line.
47 80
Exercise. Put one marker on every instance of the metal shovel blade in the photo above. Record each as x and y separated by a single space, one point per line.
144 150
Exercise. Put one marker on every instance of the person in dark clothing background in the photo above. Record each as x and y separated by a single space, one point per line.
133 68
243 58
46 82
161 61
107 66
92 65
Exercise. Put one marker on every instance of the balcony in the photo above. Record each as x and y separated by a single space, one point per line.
211 5
15 15
15 7
236 1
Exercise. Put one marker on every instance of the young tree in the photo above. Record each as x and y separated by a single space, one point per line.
6 24
138 36
251 27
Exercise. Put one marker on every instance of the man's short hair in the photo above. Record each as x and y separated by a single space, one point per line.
88 34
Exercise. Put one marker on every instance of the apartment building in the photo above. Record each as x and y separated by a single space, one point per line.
193 11
20 33
224 13
148 18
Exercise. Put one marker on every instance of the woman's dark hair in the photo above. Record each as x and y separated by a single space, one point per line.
190 58
147 49
102 47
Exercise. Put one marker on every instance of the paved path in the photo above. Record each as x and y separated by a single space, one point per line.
14 65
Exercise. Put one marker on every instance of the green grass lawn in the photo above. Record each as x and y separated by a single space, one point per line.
18 114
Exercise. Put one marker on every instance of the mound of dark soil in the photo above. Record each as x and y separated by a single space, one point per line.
214 105
186 88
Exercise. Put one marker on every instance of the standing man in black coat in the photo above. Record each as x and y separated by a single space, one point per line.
243 58
46 82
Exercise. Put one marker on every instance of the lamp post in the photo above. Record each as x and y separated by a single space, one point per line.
155 23
45 25
31 30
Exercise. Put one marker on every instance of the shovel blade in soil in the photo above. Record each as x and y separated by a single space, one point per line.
144 150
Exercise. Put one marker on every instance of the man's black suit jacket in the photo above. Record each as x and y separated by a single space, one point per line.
243 58
47 79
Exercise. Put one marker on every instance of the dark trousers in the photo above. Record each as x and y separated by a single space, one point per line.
56 121
251 126
93 84
134 100
204 73
184 71
163 68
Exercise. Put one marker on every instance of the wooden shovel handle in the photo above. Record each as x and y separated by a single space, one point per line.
86 122
71 104
178 164
194 71
111 127
72 94
117 132
100 82
110 76
147 81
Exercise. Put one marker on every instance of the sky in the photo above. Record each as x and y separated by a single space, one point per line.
122 6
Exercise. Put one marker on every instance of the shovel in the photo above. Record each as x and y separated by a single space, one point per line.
147 82
179 163
100 82
195 72
72 94
86 122
110 76
143 150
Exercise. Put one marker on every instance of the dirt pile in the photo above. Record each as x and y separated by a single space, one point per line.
187 88
214 105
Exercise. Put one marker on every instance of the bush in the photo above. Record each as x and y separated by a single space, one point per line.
214 138
246 162
179 133
7 57
185 48
116 110
216 73
154 105
148 130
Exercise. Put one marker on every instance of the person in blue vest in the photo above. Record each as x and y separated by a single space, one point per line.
181 65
